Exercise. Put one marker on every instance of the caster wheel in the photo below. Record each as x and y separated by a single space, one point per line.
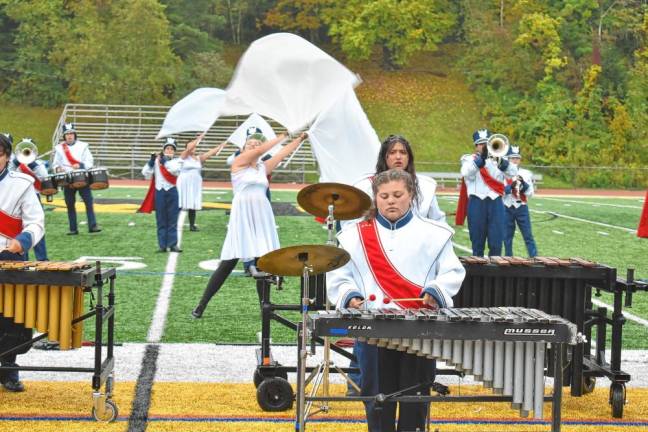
110 413
589 382
275 394
617 399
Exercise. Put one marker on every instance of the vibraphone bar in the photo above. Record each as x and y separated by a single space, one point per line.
562 287
502 347
48 297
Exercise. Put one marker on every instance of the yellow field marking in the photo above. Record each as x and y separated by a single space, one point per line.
59 206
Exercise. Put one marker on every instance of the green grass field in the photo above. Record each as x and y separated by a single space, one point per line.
233 315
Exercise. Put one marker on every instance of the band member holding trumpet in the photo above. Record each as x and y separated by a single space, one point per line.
400 257
24 160
162 196
22 224
251 231
74 154
516 193
484 175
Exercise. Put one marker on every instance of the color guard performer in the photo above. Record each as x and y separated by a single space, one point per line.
38 171
483 188
162 196
22 224
516 193
74 154
395 254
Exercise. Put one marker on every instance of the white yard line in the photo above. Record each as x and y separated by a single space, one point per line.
630 230
462 248
164 297
627 315
591 203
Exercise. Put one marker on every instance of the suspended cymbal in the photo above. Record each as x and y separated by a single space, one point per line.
349 202
289 261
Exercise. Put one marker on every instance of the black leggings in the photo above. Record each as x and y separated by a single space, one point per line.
192 217
216 280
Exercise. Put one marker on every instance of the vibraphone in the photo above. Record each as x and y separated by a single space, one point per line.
502 347
561 287
48 297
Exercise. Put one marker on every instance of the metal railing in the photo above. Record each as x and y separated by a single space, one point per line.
122 137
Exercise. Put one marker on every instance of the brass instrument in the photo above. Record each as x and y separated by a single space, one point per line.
26 152
497 146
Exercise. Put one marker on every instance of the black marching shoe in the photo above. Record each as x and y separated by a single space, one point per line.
161 250
197 312
75 232
175 249
14 386
94 229
193 228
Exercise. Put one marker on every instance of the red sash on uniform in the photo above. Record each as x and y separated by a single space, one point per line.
521 197
26 170
68 154
393 284
148 205
10 226
642 231
462 204
492 183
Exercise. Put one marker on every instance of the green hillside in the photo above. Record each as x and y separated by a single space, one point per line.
27 121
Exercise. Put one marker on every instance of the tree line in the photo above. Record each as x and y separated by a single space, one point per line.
567 78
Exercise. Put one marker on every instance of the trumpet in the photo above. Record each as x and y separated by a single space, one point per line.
497 146
26 152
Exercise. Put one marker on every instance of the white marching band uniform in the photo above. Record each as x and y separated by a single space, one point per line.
509 200
190 184
79 150
475 184
173 166
427 206
18 201
39 170
419 249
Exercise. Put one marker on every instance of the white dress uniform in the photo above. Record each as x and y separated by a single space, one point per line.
509 200
427 206
419 249
173 166
190 184
80 151
18 201
475 183
252 230
39 169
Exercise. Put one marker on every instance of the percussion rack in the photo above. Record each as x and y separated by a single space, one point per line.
90 279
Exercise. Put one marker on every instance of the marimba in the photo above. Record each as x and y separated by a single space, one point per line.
502 347
48 297
561 287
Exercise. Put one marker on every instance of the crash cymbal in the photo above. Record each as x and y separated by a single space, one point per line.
289 261
349 202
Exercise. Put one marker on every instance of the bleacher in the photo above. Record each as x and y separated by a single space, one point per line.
122 138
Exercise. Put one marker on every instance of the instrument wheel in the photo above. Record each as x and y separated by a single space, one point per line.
258 376
275 394
589 383
617 399
110 413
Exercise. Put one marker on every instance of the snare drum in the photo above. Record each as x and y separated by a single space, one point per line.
78 179
61 179
98 178
48 185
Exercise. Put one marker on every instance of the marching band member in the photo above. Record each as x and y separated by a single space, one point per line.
483 188
395 254
36 170
22 224
162 196
516 193
396 152
190 180
252 231
73 154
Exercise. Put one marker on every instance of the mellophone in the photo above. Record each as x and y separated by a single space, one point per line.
95 178
503 347
48 296
46 308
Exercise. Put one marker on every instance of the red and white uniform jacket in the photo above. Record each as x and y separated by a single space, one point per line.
36 170
21 215
475 183
427 205
79 151
512 201
172 166
405 259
